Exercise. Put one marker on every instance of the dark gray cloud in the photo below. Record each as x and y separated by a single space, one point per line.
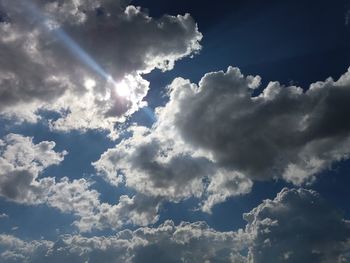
157 165
213 139
265 135
57 55
297 226
282 132
145 166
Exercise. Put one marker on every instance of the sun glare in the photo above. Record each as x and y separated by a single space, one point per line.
89 83
123 89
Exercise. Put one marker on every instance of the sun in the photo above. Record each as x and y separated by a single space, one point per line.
122 89
89 83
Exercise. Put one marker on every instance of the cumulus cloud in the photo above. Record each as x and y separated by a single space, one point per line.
224 185
22 163
281 132
143 163
297 226
137 211
215 138
155 165
76 57
187 242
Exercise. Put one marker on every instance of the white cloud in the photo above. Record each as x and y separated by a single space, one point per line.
296 226
224 185
22 163
213 139
44 68
137 210
186 242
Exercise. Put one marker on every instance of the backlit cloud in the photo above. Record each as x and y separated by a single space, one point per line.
51 50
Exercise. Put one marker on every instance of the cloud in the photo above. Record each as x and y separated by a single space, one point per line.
4 216
187 242
213 139
224 185
155 165
136 211
141 161
52 50
24 249
280 132
22 164
297 226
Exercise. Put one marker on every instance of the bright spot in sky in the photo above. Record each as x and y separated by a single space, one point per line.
122 88
89 83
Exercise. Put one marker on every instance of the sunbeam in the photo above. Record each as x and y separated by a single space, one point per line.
122 88
65 39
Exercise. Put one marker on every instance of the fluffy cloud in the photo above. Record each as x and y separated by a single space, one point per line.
224 185
297 226
280 132
137 211
155 165
22 162
215 138
144 164
84 59
186 242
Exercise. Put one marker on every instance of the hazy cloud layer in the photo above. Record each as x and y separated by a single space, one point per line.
214 138
297 226
67 56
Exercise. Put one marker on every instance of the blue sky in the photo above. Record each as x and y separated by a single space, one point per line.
165 142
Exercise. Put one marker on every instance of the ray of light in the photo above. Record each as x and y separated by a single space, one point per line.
65 39
150 113
75 49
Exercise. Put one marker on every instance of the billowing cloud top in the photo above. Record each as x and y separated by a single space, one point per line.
281 132
225 132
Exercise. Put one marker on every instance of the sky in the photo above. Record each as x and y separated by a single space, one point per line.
174 131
